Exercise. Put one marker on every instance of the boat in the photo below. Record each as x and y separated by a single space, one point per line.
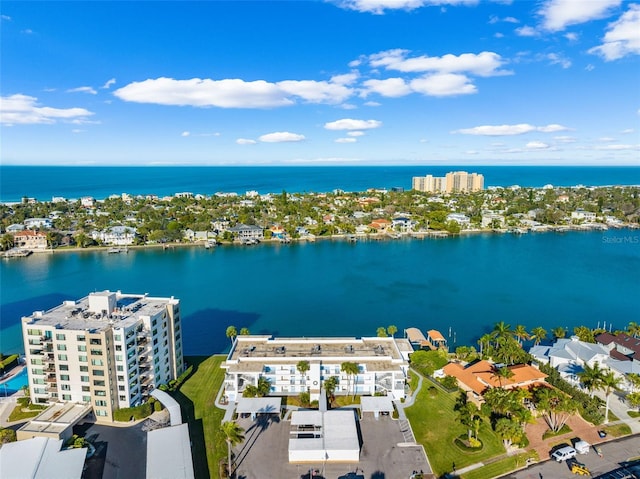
17 253
117 250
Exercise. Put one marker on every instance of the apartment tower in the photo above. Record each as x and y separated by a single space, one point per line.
108 349
453 182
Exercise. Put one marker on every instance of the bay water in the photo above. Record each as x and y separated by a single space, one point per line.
461 286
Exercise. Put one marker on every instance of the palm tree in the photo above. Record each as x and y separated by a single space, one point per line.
634 380
501 373
244 332
521 333
233 434
392 330
591 377
350 369
508 430
559 332
538 334
303 367
264 386
330 385
633 329
484 342
381 332
6 241
232 332
501 330
610 383
555 406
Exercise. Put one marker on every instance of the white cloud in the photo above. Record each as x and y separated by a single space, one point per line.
509 130
355 133
481 64
351 124
372 103
443 84
622 37
76 131
498 35
185 133
281 137
348 106
565 139
536 145
559 59
526 31
83 89
27 31
345 140
391 87
24 110
345 79
617 147
232 93
378 7
572 36
558 14
5 17
589 67
245 141
606 139
108 83
627 131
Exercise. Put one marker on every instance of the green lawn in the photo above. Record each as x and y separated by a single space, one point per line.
435 426
197 396
501 467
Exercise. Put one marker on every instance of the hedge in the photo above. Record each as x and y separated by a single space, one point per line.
138 412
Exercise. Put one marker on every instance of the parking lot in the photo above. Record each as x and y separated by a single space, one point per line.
264 453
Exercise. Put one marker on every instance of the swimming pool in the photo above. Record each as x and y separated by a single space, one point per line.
14 384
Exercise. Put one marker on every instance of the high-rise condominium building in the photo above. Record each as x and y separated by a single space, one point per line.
453 182
109 349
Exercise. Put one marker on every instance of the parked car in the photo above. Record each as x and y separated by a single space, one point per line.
564 453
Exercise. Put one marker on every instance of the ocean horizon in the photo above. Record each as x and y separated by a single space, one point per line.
73 182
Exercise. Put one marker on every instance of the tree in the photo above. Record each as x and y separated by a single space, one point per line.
555 406
538 334
610 383
485 344
233 434
381 332
559 332
521 333
82 240
264 386
634 400
244 332
634 380
591 377
6 241
501 374
392 330
232 332
350 369
509 431
501 330
330 385
633 329
303 367
584 334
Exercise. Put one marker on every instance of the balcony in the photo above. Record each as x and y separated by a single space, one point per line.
50 379
52 389
46 339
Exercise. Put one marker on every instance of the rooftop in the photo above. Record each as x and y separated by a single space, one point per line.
79 315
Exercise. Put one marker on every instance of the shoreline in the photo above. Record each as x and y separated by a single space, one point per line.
353 238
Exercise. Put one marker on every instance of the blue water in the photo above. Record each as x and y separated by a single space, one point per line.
44 182
13 385
337 288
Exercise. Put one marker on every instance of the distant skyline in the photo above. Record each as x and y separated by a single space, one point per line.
354 82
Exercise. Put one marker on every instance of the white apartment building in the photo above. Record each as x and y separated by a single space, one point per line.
108 349
382 365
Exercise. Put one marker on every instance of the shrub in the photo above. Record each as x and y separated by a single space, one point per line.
7 435
449 382
138 412
157 406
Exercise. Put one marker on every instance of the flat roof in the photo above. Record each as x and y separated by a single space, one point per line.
56 418
415 335
265 405
169 453
76 315
337 433
40 458
376 404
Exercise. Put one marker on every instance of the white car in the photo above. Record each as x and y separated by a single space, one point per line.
564 453
582 447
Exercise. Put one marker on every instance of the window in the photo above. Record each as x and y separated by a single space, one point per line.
34 332
84 369
119 357
117 337
118 347
82 359
97 362
64 377
61 347
84 379
100 402
120 368
36 362
154 322
101 413
95 341
98 372
37 371
80 338
66 397
96 352
101 393
60 337
86 389
86 398
64 367
122 398
65 387
120 378
121 388
82 348
62 357
98 383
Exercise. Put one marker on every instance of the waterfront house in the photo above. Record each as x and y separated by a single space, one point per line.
27 239
34 223
382 365
116 235
478 377
277 232
87 202
462 219
492 220
15 228
381 225
436 340
402 223
569 355
247 232
582 215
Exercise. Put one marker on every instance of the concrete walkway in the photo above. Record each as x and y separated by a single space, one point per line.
619 407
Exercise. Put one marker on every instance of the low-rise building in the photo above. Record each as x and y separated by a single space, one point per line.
116 235
382 365
28 239
33 223
247 232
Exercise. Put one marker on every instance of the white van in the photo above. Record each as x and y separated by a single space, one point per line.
564 453
582 447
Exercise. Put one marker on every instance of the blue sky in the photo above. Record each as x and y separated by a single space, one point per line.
315 83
